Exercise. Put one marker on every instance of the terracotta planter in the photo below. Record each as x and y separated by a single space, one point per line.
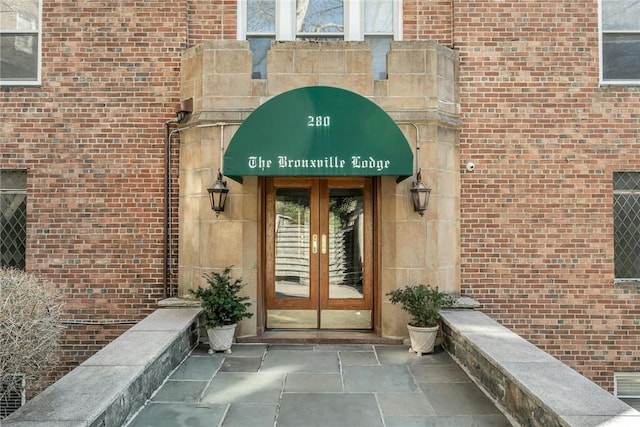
221 338
423 340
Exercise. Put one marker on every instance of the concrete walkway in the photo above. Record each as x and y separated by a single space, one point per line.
323 385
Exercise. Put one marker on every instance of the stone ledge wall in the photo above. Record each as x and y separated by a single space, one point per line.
532 386
117 380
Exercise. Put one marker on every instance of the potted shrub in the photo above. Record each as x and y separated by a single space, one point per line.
423 303
222 307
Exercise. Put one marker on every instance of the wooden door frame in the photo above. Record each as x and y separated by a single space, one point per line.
314 189
325 301
261 274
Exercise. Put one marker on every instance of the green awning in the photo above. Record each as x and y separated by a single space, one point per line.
318 131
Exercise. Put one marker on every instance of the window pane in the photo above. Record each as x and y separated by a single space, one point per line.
259 48
19 14
620 15
13 218
19 57
319 16
13 180
626 181
379 46
378 16
627 236
621 56
626 221
261 16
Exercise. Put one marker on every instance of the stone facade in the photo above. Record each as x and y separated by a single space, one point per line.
420 94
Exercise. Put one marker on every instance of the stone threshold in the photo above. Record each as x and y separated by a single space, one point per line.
317 337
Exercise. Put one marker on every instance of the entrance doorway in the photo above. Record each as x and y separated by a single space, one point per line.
319 253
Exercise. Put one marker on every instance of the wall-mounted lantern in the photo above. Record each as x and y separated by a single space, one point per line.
218 194
420 194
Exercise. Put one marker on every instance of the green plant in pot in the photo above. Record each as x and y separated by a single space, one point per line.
423 303
223 308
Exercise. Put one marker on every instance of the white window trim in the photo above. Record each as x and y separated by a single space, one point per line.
602 80
286 15
38 80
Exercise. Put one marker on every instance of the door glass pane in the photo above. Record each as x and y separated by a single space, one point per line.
292 243
346 244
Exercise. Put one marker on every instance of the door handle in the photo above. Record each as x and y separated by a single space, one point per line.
314 244
324 244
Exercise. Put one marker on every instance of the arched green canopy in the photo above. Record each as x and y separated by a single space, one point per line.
318 131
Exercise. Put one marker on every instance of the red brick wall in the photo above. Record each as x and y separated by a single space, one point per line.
536 220
92 138
212 19
428 20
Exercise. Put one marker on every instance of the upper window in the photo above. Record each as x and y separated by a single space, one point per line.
375 21
626 223
620 41
20 35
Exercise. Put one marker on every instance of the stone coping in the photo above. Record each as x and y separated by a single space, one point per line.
115 382
533 387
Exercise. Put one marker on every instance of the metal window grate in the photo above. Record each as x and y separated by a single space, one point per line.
13 218
626 211
627 384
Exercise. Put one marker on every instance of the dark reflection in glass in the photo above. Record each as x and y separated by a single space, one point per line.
292 243
19 57
346 234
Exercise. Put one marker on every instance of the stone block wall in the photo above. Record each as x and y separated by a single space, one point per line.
420 95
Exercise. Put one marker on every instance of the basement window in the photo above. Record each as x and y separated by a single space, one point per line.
627 388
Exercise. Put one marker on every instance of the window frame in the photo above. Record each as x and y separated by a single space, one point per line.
354 24
15 191
38 33
601 33
616 192
285 21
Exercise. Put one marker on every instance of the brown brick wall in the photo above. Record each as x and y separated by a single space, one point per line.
211 20
428 20
92 139
536 219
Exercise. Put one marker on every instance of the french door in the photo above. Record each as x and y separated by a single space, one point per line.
319 250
